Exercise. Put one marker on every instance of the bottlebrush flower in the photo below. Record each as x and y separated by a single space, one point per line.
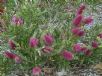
77 20
78 31
47 49
20 21
12 45
48 39
95 44
36 71
79 47
9 55
12 56
17 20
88 20
100 35
80 9
17 59
88 52
67 55
33 42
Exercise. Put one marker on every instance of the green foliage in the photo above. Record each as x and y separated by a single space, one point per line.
40 17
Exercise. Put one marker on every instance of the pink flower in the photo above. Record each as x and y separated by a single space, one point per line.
47 49
12 56
20 21
80 9
78 31
67 55
79 47
83 49
88 52
17 59
33 42
12 45
100 35
95 44
17 20
88 20
36 71
77 20
48 39
9 55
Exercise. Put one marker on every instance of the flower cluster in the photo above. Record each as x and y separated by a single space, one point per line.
79 21
17 20
35 47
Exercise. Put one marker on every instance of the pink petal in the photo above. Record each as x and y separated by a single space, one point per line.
48 39
36 71
12 45
33 42
77 20
80 9
17 59
95 44
67 55
9 55
47 49
88 20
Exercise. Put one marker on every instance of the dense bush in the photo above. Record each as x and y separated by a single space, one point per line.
52 33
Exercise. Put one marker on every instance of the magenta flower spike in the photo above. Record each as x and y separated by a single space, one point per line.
14 19
17 20
18 59
9 55
12 56
33 42
79 47
88 52
80 9
20 21
87 20
78 32
36 71
47 49
48 39
95 44
67 55
77 20
12 45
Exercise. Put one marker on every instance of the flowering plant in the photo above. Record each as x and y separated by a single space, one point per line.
35 41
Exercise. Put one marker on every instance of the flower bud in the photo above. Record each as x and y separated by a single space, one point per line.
36 71
33 42
77 20
80 9
67 55
95 44
87 20
17 59
78 32
9 55
17 20
12 45
48 39
47 49
88 52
